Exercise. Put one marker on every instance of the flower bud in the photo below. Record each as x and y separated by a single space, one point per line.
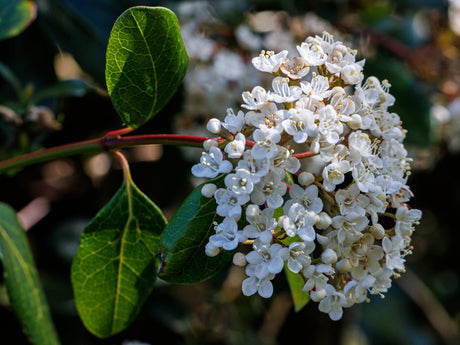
317 295
214 126
329 256
208 143
323 221
343 266
306 179
252 212
239 259
377 231
356 121
211 250
208 190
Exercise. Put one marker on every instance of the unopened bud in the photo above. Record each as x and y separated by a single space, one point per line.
214 126
356 121
252 212
306 179
239 259
343 265
208 143
211 250
317 295
208 190
323 221
329 256
377 231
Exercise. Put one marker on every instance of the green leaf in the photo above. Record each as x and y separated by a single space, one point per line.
15 16
115 267
296 284
183 242
22 281
73 87
146 61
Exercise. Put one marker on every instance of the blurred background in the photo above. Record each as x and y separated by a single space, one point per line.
52 92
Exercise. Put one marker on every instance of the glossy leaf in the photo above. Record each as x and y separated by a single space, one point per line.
115 267
183 242
296 283
22 281
146 61
15 16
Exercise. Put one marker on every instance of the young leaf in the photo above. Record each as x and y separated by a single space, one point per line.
146 61
115 267
183 242
22 281
296 283
15 16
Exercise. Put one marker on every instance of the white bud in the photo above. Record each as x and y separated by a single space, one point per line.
343 265
239 259
208 190
306 179
329 256
252 212
208 143
377 231
356 121
323 221
214 126
281 220
211 250
317 295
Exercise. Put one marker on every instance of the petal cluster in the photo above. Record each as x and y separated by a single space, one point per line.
341 220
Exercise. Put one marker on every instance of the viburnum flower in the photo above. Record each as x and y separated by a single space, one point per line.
341 221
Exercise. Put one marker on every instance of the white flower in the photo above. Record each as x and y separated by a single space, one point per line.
269 61
300 222
283 92
256 167
283 161
269 190
317 89
226 236
392 248
255 99
300 124
299 255
333 303
308 198
312 52
352 74
260 226
252 284
350 227
229 203
405 219
212 164
266 259
334 174
295 68
265 142
330 126
233 123
352 200
267 115
235 148
240 182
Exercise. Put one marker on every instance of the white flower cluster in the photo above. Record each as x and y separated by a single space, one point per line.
346 230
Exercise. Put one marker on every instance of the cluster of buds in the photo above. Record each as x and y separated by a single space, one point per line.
342 223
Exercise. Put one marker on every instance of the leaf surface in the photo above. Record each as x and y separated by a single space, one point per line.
146 61
115 267
15 16
22 281
183 242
